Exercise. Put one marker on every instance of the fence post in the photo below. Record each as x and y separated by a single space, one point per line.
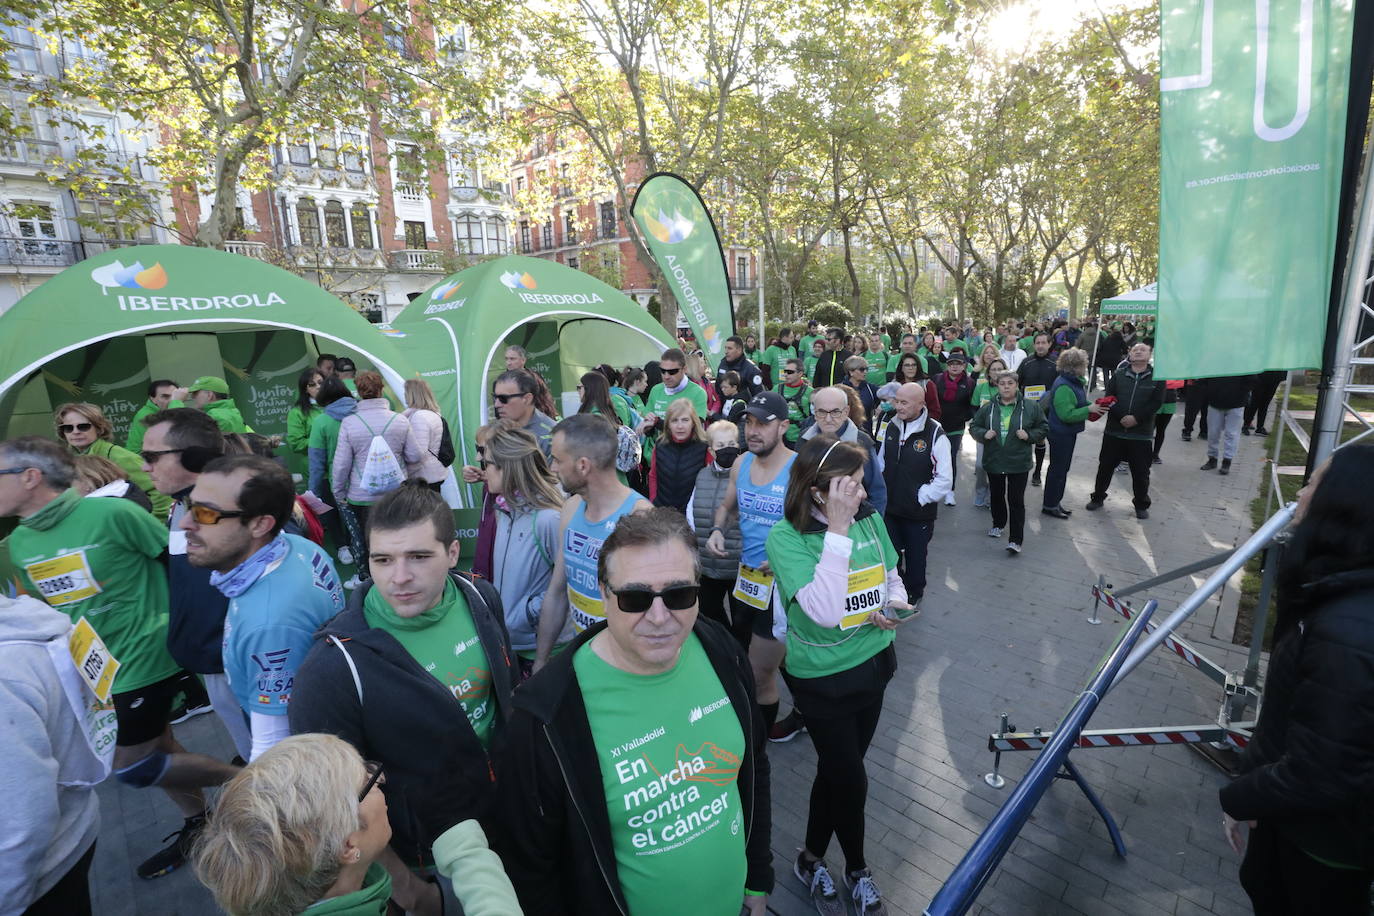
1259 623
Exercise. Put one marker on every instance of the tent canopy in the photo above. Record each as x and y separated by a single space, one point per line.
456 331
1143 301
83 327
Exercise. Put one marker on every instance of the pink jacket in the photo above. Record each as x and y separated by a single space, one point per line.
355 438
428 430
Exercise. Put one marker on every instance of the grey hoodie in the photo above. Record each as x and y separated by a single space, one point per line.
527 543
45 827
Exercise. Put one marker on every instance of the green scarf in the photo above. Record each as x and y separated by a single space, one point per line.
51 515
378 613
368 900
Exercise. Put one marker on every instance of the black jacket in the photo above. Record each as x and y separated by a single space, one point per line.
1228 392
1037 370
553 834
674 471
407 719
955 414
830 368
1309 770
1111 350
1139 396
750 376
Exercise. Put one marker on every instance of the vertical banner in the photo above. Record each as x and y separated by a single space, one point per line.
681 236
1252 130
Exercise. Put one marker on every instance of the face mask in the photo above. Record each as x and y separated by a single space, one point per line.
725 457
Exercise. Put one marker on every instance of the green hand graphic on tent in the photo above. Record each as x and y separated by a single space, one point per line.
266 375
104 388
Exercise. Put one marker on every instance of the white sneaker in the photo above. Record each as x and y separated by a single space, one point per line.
353 582
949 499
345 556
994 532
1013 548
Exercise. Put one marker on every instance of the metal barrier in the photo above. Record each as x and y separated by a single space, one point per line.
977 865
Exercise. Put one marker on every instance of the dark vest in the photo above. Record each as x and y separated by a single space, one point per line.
1081 398
677 465
907 467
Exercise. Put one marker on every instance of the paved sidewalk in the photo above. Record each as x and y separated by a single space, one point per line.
998 634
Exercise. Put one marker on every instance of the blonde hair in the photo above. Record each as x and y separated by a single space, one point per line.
723 426
983 361
681 406
274 844
94 472
420 396
88 412
525 477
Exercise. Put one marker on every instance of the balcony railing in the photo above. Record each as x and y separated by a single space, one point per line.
742 285
113 161
411 193
36 153
30 252
415 259
256 250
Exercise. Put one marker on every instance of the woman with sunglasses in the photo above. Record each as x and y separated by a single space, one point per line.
524 541
87 431
300 830
836 572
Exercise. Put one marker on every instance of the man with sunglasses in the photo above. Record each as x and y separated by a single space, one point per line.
281 588
514 393
177 444
416 674
830 367
636 778
675 385
98 561
583 458
796 391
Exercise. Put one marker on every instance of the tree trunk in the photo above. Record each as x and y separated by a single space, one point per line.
854 292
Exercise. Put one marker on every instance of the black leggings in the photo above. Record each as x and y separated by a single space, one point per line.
715 603
1161 424
840 791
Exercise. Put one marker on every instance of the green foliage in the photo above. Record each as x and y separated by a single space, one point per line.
1104 288
831 314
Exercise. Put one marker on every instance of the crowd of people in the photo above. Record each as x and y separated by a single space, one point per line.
580 724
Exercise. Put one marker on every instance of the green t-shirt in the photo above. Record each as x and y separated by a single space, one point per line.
1004 419
776 358
98 558
657 404
808 340
813 650
877 367
444 641
798 400
809 365
669 747
983 391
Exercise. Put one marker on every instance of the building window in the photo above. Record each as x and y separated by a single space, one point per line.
327 153
409 165
38 229
569 228
607 220
524 236
547 234
572 262
362 227
298 153
370 305
334 230
415 235
539 148
519 183
352 149
496 236
102 221
742 273
308 219
21 48
468 235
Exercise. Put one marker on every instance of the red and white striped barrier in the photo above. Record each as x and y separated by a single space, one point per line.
1237 734
1177 646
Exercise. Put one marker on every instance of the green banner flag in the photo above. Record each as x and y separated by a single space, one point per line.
682 238
1252 130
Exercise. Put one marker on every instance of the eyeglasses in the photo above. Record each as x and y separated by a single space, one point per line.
505 398
209 515
4 471
834 414
73 427
151 457
639 600
667 371
483 464
376 775
789 372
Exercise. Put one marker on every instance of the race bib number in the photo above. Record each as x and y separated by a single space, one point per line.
754 587
93 660
64 580
585 609
1034 392
867 592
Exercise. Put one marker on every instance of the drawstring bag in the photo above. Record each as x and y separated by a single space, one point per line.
628 450
381 471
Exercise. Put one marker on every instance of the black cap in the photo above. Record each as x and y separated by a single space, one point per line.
956 357
768 406
344 364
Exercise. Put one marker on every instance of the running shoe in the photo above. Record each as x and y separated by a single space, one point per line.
787 728
1156 460
820 886
1013 548
994 532
185 711
353 582
173 856
1035 479
949 499
1187 437
1093 505
1142 514
1261 431
864 893
345 556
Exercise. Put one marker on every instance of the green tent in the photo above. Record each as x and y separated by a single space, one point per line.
569 321
102 329
1143 301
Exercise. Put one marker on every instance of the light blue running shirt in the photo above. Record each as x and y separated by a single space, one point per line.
582 542
760 508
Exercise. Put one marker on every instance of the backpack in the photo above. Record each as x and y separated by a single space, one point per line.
446 454
381 471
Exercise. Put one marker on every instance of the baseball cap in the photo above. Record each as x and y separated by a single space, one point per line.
956 357
344 364
767 405
209 383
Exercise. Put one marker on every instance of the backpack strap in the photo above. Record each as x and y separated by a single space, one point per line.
538 544
352 668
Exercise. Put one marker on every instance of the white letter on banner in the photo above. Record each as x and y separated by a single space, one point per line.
1202 79
1262 129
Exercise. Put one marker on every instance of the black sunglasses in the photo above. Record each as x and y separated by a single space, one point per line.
483 463
73 427
375 773
639 600
789 372
505 398
151 457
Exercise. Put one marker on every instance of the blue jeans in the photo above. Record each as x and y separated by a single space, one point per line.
912 538
1061 456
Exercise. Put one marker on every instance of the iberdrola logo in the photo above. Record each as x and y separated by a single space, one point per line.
517 281
711 337
445 291
135 276
669 229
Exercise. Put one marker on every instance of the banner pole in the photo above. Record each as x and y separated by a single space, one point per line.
763 335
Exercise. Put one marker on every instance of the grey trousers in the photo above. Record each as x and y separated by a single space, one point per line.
1223 427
